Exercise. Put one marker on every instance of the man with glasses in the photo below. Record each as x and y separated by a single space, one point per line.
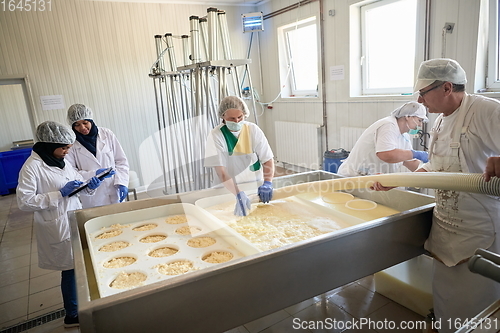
465 138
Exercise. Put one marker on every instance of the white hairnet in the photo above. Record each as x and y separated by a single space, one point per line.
50 131
232 102
440 69
78 112
411 109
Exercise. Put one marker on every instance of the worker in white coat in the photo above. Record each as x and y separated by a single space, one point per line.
240 153
464 138
96 149
45 182
385 145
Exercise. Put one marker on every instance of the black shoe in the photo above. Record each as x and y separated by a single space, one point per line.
71 322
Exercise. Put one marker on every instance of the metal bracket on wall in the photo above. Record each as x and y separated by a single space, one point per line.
449 27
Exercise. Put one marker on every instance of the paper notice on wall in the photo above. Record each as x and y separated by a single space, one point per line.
336 72
52 102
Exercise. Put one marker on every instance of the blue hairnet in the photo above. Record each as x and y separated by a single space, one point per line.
52 132
78 112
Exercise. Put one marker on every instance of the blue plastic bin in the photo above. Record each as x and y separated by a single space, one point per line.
333 159
11 163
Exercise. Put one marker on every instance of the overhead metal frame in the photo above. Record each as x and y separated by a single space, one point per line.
187 98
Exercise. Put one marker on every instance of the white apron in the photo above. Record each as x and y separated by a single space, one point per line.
461 220
461 224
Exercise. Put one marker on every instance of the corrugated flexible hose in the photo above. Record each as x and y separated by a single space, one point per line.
463 182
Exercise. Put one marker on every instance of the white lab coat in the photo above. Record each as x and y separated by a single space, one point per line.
382 135
463 222
38 191
109 153
237 166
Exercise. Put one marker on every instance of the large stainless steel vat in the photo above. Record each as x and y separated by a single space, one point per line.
236 292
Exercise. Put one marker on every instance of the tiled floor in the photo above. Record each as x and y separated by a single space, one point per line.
27 291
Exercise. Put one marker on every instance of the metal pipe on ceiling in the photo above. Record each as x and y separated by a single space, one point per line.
287 8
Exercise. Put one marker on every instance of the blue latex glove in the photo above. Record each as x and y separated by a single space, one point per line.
122 191
265 192
243 204
111 173
69 187
421 155
94 183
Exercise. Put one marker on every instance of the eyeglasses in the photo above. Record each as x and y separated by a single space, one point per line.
425 92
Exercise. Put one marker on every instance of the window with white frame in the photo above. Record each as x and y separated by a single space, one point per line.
493 78
299 58
390 46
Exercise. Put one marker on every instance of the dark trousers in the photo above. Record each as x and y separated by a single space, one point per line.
68 289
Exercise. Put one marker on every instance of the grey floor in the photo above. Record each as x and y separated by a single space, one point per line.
27 292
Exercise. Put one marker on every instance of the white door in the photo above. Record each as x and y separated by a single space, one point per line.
16 117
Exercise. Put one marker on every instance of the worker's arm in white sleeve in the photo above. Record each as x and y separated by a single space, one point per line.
226 180
268 170
27 197
395 155
401 155
121 162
